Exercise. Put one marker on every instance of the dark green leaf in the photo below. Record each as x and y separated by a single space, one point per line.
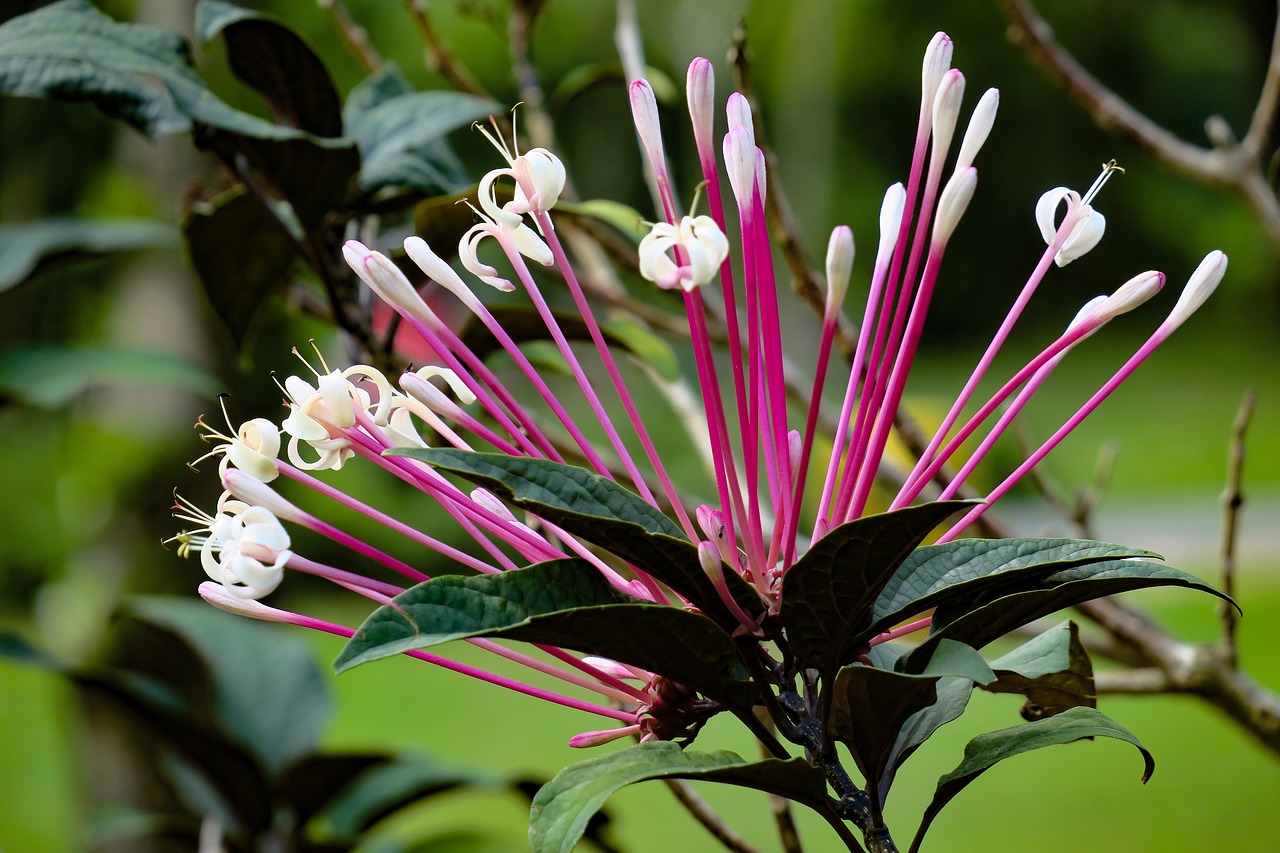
564 805
1052 670
601 512
271 58
15 647
51 376
401 134
442 220
871 707
389 787
26 246
827 594
953 696
242 254
1046 595
70 51
984 751
313 781
583 78
565 603
937 573
269 692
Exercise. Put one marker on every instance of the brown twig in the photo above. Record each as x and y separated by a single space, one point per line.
1239 167
436 53
706 816
353 35
1232 501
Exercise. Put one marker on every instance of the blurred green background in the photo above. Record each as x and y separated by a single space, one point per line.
92 450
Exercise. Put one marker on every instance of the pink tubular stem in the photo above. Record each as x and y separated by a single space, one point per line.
350 580
901 631
1062 432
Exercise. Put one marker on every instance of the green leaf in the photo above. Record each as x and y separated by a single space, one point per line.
622 218
648 348
401 134
583 78
1052 670
871 707
934 574
389 787
827 595
268 692
984 751
953 697
601 512
26 246
51 376
271 58
72 52
1046 595
315 780
242 255
565 603
564 805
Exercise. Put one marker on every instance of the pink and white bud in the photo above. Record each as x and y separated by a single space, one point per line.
1133 293
615 669
1089 313
602 736
644 112
937 61
218 595
430 396
700 88
395 290
710 522
253 492
795 446
740 164
488 500
1203 282
891 209
761 178
980 124
437 269
953 202
451 378
946 111
840 251
738 110
712 565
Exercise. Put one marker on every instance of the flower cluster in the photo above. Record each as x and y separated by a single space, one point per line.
761 449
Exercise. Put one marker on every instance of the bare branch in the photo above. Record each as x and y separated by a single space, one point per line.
438 56
706 816
1232 501
353 35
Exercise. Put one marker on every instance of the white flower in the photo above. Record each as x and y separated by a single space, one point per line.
1085 233
697 239
242 547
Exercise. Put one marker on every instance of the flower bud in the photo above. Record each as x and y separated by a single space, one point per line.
891 209
955 198
839 266
644 112
946 111
740 164
980 124
700 88
1133 293
1203 282
937 59
738 110
256 493
436 268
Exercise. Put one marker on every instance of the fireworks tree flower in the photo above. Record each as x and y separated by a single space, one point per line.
653 602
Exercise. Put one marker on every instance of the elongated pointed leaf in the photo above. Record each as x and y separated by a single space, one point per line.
985 751
871 706
565 603
934 574
273 59
26 246
601 512
1048 595
827 595
564 805
51 376
1052 670
953 697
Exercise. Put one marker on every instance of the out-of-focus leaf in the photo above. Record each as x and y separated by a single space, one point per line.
51 376
564 805
271 58
401 134
242 254
601 512
583 78
565 603
827 594
381 790
1052 670
985 751
647 347
270 694
70 51
15 647
625 219
442 220
314 781
25 246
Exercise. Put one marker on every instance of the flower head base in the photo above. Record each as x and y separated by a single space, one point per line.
699 248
